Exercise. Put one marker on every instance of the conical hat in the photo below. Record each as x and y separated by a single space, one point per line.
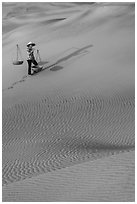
31 43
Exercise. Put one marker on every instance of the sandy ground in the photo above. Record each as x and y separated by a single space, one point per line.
68 131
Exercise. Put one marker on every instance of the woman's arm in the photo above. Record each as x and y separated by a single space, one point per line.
30 52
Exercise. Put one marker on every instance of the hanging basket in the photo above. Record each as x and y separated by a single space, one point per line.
17 61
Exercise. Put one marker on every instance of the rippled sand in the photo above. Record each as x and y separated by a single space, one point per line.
68 131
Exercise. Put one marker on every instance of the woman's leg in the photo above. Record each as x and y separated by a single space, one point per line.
34 62
29 66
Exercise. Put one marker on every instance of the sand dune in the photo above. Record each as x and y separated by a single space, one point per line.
75 119
109 179
52 134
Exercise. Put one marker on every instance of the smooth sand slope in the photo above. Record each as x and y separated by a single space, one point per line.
74 121
82 182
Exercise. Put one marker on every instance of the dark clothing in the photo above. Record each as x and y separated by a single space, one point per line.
31 59
29 64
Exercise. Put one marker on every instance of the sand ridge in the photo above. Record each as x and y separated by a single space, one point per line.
57 134
91 181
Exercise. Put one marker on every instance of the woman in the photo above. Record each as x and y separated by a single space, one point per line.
31 58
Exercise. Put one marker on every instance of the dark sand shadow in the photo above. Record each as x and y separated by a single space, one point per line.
52 21
82 145
56 68
78 52
105 147
73 54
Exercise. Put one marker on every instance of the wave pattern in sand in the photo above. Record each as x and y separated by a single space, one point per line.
53 133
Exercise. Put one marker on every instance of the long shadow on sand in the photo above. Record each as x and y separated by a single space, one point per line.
73 54
78 52
53 66
56 68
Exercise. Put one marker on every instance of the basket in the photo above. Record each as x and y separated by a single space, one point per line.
17 62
